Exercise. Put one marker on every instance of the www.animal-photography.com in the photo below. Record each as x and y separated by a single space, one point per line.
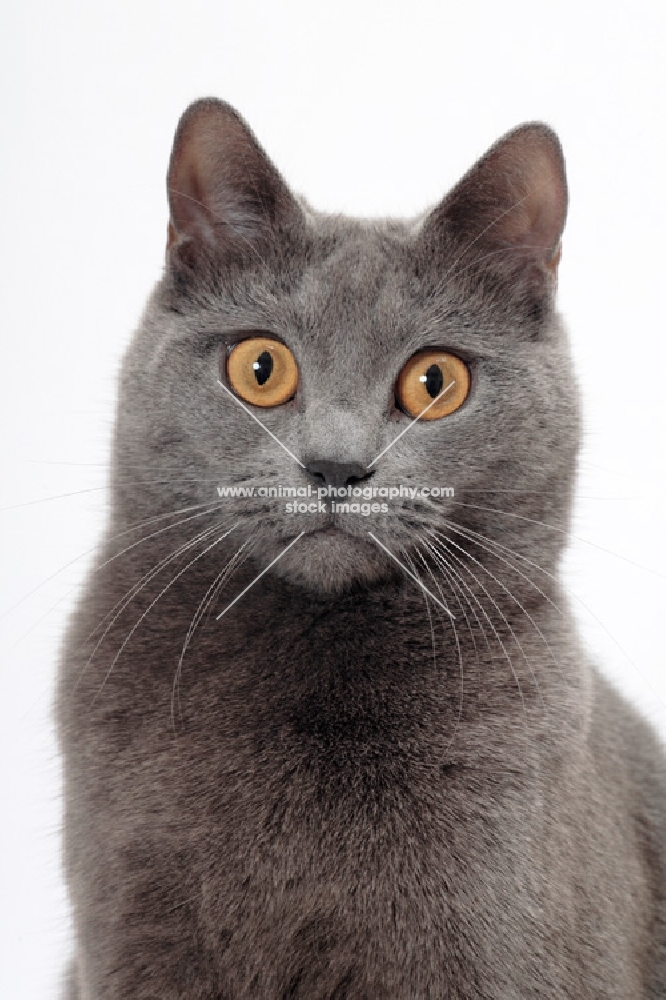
333 506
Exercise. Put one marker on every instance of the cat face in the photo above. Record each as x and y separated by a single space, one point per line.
287 349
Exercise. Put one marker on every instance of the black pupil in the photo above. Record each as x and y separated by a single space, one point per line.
434 380
263 367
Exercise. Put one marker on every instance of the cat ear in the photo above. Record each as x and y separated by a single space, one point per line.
225 195
508 212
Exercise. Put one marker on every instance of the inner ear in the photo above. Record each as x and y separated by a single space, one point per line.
514 198
223 190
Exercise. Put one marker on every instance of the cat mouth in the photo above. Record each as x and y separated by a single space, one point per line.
331 530
329 558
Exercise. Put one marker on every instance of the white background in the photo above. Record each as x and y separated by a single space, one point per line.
368 108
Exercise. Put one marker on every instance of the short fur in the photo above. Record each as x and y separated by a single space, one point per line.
338 791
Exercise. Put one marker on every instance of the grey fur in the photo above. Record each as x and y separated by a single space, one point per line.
353 796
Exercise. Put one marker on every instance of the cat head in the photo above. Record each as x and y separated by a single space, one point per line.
287 349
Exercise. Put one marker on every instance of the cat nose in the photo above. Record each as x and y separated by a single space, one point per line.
338 474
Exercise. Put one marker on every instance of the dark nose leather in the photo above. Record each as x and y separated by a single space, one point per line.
338 474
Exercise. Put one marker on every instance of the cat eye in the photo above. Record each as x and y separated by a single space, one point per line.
262 371
425 377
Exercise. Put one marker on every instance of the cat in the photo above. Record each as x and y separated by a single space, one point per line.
325 754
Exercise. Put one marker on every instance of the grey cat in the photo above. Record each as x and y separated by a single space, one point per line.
387 770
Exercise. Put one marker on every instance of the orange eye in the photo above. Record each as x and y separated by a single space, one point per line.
262 371
430 376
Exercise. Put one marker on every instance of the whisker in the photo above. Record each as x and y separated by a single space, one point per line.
94 548
136 589
456 592
425 597
580 601
105 486
479 538
152 605
562 531
148 575
457 582
210 509
448 542
457 642
204 605
58 496
425 564
437 546
511 595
